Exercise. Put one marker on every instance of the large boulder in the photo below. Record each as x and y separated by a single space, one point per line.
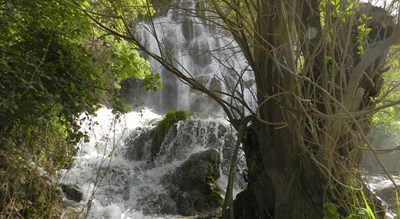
189 185
191 135
193 185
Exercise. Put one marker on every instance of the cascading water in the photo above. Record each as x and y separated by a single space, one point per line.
202 51
115 170
118 185
100 169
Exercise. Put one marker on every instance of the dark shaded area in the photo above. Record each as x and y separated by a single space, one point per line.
72 192
193 185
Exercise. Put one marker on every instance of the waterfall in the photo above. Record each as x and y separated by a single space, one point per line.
100 168
114 170
201 50
118 180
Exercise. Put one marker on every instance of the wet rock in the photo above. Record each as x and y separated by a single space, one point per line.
193 185
72 192
157 204
140 143
191 29
199 51
191 189
387 197
73 212
383 191
135 93
184 137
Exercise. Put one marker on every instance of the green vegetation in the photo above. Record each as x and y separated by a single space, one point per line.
331 212
364 205
398 203
388 117
54 66
24 193
162 129
215 199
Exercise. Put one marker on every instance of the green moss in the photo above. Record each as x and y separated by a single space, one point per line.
215 200
210 180
162 129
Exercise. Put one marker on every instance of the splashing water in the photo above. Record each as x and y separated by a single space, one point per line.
117 187
101 170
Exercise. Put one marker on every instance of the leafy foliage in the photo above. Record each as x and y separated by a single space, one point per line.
44 69
330 211
24 193
388 117
54 66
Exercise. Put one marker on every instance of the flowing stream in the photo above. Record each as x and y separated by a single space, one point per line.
375 175
117 185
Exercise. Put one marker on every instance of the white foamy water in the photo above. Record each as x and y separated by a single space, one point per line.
111 183
384 190
117 187
200 50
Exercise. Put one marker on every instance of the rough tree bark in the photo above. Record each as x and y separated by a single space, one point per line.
275 178
285 177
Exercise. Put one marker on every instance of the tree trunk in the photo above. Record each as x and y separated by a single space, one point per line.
284 179
283 186
282 183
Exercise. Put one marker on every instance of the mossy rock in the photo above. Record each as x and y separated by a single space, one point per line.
163 127
193 186
215 199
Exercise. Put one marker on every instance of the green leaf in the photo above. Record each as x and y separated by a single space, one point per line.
330 208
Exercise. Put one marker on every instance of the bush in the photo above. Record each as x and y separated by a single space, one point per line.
54 65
